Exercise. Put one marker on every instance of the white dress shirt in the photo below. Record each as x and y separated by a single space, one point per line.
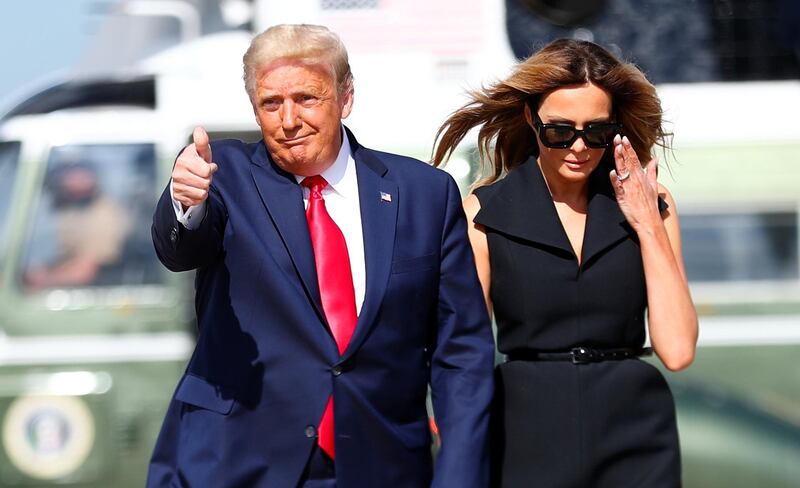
342 203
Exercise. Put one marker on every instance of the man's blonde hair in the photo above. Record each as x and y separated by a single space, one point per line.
309 44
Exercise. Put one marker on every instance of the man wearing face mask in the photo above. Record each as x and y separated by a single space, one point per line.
89 231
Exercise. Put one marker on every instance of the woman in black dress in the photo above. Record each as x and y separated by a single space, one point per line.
574 239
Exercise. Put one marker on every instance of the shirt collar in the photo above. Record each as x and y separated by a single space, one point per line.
341 175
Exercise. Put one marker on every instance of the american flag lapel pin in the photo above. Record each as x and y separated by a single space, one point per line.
386 197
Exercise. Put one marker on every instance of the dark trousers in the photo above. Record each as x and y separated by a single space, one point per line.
319 472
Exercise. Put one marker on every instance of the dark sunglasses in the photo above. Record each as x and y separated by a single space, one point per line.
561 136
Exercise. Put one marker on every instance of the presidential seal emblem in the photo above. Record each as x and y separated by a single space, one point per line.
48 437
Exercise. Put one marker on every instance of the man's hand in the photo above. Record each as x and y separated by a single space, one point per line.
191 177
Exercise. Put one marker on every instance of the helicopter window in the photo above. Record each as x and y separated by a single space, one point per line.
742 246
9 159
91 221
136 92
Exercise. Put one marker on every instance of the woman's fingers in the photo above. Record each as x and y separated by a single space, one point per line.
616 183
620 162
630 156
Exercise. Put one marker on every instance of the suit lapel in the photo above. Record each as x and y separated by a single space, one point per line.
283 199
378 198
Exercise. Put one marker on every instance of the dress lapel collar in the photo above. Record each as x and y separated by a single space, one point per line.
522 207
605 222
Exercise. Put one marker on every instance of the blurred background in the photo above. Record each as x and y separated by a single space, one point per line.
98 96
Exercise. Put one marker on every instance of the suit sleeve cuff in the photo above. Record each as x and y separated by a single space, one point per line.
192 217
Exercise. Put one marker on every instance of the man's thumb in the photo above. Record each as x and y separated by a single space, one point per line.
201 144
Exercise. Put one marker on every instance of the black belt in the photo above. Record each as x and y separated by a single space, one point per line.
581 355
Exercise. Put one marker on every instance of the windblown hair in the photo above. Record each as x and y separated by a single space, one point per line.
505 140
309 44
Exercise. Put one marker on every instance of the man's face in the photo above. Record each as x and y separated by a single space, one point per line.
76 186
300 113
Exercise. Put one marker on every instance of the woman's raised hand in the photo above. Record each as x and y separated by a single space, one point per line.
635 186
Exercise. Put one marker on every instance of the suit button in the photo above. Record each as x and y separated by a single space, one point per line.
337 371
311 431
173 236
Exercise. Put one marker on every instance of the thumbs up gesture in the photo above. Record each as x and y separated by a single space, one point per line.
193 171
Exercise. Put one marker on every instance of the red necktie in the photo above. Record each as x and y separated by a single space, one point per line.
335 286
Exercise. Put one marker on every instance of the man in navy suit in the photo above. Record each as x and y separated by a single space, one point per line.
334 284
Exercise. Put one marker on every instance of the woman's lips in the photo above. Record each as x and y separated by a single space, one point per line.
576 163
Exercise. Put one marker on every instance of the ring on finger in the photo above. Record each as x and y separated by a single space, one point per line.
624 176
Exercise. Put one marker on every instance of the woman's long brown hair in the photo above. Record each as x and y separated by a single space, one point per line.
505 140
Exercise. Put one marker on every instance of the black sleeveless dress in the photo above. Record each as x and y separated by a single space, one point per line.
559 424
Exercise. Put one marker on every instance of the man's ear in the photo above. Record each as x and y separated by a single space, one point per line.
346 103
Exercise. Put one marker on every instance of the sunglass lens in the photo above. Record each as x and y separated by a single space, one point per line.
600 136
559 136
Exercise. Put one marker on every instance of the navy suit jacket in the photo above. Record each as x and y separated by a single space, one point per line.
245 412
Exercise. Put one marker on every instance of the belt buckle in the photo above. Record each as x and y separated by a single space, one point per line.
582 355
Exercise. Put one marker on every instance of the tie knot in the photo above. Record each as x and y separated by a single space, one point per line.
314 183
